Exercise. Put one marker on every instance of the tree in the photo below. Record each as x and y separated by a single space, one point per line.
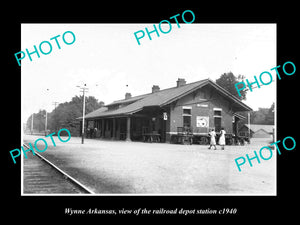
38 121
64 115
263 116
270 117
228 81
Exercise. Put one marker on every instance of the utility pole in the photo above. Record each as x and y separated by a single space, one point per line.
83 90
273 111
55 103
32 123
249 125
46 124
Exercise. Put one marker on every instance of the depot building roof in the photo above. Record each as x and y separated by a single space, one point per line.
161 98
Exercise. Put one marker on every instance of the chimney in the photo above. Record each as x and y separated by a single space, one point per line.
155 88
180 82
127 95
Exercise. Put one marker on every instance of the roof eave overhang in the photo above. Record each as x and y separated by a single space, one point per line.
231 96
222 90
182 95
127 114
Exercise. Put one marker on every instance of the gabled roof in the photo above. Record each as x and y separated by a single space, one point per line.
95 113
241 117
257 127
129 100
162 98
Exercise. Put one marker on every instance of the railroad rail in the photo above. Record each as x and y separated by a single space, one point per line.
66 176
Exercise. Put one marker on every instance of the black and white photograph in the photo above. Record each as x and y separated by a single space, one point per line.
133 112
178 114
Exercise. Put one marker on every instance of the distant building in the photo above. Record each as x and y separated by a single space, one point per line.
257 131
197 106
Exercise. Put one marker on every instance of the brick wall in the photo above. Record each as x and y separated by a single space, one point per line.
200 107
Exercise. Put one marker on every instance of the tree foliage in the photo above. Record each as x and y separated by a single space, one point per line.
263 116
65 115
228 81
38 121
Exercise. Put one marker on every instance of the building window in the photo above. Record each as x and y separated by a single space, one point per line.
217 112
217 119
187 121
187 111
218 122
186 114
242 133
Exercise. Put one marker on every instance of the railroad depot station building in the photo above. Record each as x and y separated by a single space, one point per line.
195 107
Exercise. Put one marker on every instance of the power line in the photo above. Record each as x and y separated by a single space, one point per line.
55 103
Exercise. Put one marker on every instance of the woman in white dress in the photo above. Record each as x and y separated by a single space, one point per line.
222 138
212 135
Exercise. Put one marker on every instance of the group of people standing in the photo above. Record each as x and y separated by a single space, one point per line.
92 132
213 135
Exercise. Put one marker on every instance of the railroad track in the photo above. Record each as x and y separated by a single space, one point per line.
39 178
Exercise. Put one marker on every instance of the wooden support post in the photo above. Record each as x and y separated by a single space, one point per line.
114 129
102 128
118 129
128 129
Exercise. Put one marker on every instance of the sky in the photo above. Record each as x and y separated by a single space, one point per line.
108 59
